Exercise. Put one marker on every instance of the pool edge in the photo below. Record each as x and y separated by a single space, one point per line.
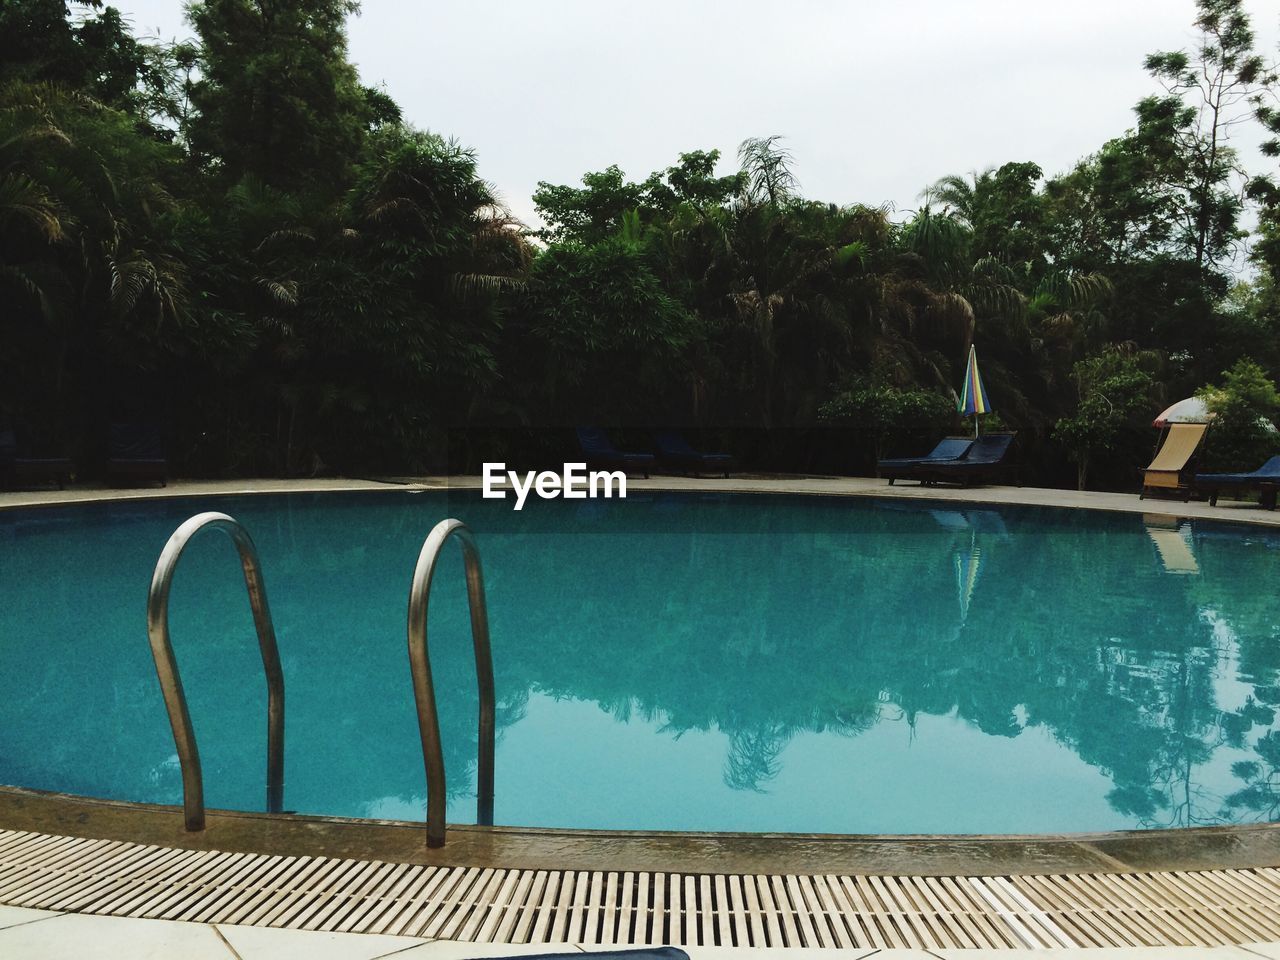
1193 848
810 485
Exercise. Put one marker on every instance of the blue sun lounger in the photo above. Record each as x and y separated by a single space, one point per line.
599 451
136 454
21 471
674 451
948 449
1266 478
987 459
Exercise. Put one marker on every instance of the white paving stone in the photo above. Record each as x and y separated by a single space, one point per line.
45 935
1095 953
76 936
458 950
12 916
275 943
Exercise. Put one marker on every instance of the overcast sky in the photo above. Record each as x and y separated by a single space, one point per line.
875 99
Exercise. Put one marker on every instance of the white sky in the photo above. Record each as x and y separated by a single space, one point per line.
876 99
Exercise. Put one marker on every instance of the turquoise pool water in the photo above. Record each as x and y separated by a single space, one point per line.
670 662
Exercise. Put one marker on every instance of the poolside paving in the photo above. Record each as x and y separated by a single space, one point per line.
1233 510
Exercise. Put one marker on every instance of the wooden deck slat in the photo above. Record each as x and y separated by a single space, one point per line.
529 911
494 905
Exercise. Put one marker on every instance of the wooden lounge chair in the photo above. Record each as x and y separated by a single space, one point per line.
599 451
1169 470
948 448
1265 479
23 471
674 451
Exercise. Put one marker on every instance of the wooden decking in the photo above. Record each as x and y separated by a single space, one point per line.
486 905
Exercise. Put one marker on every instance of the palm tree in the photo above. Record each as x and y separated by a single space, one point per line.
82 249
767 169
957 195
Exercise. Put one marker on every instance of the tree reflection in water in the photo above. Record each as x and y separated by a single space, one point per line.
1064 621
767 621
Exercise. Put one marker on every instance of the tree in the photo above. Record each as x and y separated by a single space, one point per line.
94 54
94 289
591 213
604 338
1002 210
595 211
277 98
766 167
1114 392
1221 82
386 311
1158 209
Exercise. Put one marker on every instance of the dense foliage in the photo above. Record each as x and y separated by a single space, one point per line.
238 237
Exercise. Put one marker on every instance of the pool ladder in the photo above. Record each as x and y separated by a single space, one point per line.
175 700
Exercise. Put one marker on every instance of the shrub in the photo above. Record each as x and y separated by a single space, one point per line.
882 411
1242 436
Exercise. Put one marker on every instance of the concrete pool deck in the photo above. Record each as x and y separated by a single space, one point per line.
1229 510
853 896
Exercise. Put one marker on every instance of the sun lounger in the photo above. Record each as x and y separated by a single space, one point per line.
674 451
948 448
136 453
987 459
1265 479
22 471
1169 470
600 452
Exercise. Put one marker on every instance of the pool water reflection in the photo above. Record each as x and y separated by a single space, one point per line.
670 662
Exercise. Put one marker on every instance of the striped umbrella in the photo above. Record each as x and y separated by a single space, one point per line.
973 397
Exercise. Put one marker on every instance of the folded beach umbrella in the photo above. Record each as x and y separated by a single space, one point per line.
973 396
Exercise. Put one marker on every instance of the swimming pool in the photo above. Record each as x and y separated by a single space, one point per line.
671 662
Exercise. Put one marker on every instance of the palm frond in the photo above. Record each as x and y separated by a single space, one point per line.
22 198
470 284
767 167
1075 291
286 233
282 292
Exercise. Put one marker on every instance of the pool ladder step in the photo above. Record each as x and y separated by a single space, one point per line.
175 699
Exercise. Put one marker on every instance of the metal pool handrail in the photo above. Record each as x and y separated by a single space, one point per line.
424 690
175 701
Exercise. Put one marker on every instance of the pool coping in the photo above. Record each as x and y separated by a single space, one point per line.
1229 511
1244 847
544 848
